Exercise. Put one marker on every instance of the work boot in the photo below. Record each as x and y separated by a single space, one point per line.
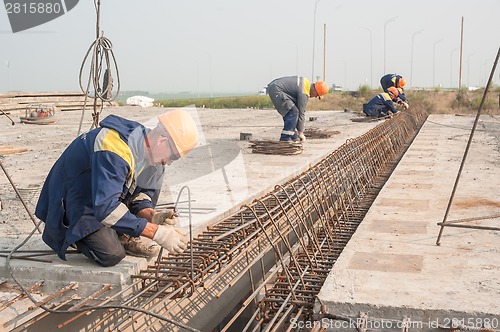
139 246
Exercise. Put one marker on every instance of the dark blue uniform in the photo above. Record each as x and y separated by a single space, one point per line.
100 181
379 106
392 80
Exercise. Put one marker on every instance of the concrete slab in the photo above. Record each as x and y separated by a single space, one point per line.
392 268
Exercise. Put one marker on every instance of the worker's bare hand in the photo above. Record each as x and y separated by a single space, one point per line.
168 217
171 239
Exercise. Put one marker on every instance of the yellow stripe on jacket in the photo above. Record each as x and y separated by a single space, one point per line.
109 140
307 87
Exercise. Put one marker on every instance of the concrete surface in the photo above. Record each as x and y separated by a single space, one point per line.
392 267
221 175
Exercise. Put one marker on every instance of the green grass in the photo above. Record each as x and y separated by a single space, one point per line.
257 102
433 100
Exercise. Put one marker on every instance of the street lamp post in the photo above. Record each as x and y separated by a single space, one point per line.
296 57
7 64
345 74
210 72
392 19
198 79
314 36
411 57
371 57
451 66
468 69
485 65
434 62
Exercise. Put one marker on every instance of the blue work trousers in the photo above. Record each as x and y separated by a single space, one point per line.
289 132
103 247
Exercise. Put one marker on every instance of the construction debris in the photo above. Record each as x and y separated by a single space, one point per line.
9 149
276 147
319 133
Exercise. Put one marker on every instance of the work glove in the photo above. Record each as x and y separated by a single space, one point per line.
171 239
168 217
302 137
405 105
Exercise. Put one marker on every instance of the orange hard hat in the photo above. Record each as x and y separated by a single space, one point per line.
182 129
321 88
393 91
402 82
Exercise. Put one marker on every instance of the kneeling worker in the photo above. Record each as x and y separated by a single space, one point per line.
106 183
382 105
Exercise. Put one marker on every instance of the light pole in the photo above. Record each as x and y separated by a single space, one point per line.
485 65
392 19
451 66
468 69
296 57
345 74
434 62
371 57
198 79
7 64
411 57
314 36
210 72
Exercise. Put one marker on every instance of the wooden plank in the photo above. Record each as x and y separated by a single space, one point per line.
9 107
8 150
34 94
41 100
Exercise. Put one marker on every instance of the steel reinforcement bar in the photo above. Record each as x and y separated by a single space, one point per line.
343 187
284 243
305 223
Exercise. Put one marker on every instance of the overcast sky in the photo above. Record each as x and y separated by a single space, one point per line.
239 46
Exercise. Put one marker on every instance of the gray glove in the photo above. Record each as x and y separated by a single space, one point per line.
171 239
302 137
168 217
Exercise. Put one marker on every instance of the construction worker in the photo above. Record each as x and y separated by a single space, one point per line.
107 182
382 105
398 82
289 96
394 80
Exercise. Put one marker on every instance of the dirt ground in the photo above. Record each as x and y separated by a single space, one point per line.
44 144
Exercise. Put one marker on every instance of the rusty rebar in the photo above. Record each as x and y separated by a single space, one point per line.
306 222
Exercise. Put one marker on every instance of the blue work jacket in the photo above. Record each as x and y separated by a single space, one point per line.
101 180
379 106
